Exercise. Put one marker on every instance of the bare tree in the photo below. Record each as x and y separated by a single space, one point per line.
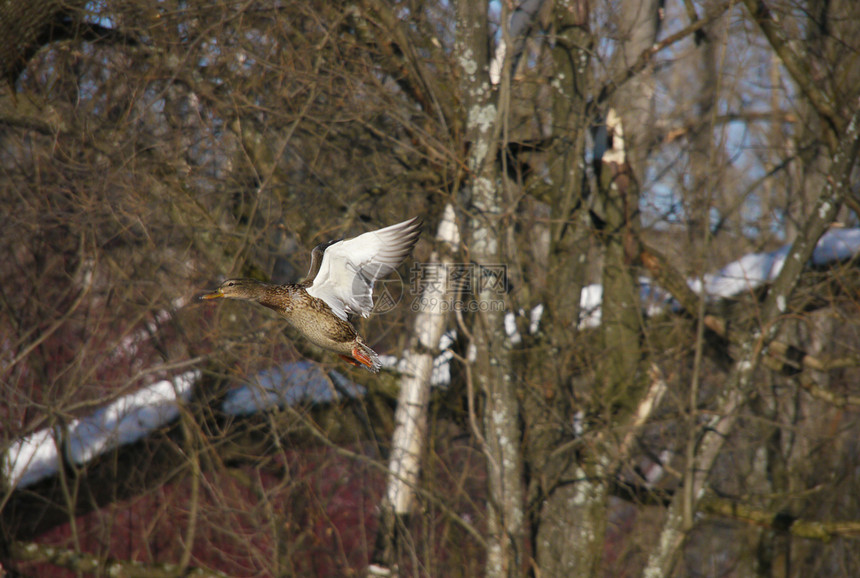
679 160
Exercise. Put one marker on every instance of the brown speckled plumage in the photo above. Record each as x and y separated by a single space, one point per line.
322 319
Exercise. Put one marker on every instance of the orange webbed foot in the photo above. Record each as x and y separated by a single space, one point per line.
367 358
349 360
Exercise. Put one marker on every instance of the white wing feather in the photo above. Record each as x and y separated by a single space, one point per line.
350 268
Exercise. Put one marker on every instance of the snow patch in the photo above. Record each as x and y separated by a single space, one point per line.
288 385
126 420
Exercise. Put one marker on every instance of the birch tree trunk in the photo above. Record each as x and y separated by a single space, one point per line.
410 418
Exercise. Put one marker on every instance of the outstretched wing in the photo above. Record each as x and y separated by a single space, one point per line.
349 269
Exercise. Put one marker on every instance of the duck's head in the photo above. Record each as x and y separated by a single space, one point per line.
245 289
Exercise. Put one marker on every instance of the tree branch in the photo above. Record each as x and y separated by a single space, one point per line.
647 56
404 64
778 521
839 400
717 430
781 357
83 562
797 66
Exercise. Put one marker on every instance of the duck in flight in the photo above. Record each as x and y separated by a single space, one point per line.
340 282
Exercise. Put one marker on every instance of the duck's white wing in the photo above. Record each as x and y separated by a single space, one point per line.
350 268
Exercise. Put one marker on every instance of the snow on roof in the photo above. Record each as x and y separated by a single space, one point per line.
836 245
126 420
290 384
751 271
31 458
741 276
134 416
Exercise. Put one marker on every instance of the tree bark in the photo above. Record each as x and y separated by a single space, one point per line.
555 506
492 367
410 418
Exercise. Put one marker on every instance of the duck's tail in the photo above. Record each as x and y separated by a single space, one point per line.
366 357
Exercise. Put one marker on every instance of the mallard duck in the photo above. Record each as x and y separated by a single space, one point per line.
339 282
